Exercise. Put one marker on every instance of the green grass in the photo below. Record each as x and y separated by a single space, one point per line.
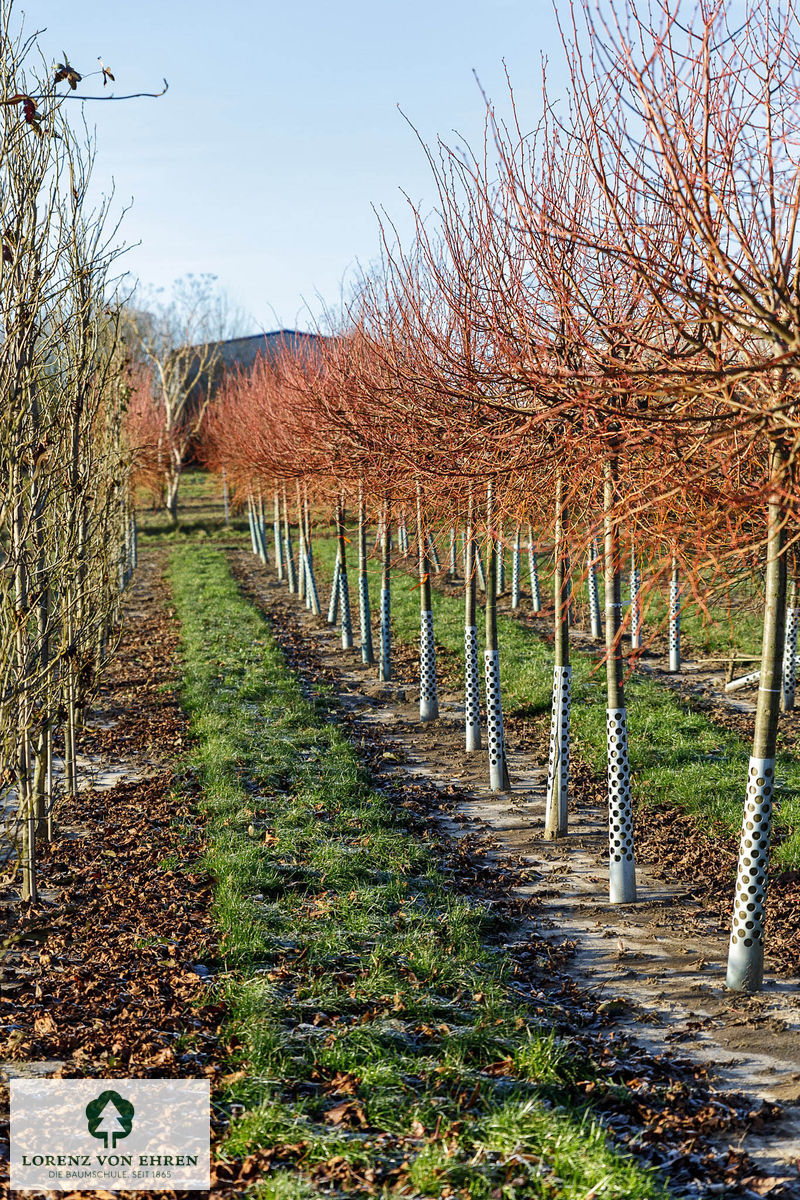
201 513
731 621
359 977
678 756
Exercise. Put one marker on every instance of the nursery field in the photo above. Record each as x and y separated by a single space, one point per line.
365 963
399 714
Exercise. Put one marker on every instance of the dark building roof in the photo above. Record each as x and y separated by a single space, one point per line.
241 354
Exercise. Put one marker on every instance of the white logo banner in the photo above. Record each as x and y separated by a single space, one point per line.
86 1135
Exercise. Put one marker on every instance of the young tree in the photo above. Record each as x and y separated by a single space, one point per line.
177 342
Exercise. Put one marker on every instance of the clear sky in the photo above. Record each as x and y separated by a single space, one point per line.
281 128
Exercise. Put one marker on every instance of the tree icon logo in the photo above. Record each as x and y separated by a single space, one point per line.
109 1116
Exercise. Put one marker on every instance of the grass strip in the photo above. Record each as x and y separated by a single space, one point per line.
678 756
380 1044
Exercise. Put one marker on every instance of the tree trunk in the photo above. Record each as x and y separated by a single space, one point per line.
515 565
636 610
367 652
171 500
276 533
498 767
533 570
344 590
291 577
472 691
621 867
790 651
558 766
428 690
675 618
385 669
595 622
746 951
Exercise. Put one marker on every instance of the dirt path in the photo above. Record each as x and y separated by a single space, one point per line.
657 965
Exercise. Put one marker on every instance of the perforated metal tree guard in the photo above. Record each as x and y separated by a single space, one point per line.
498 770
364 619
385 665
428 692
790 658
746 951
276 541
276 533
674 625
301 566
344 609
251 521
472 690
453 554
636 614
312 595
501 568
291 576
402 538
533 570
621 866
558 763
515 572
594 594
333 606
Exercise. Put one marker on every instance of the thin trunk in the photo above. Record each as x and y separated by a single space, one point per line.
790 650
301 547
453 572
621 868
498 767
675 618
636 609
251 520
225 502
428 690
515 565
433 554
291 577
333 606
472 691
558 766
262 529
595 622
385 671
344 590
533 569
367 652
276 533
746 952
500 571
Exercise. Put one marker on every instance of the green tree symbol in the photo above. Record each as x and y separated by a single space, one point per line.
109 1116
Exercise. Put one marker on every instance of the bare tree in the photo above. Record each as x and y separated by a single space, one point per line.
178 344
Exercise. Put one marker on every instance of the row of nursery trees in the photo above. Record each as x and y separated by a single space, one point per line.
67 539
598 338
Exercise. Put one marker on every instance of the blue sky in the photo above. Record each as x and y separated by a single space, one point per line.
280 128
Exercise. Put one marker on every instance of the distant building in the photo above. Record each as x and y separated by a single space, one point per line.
240 354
